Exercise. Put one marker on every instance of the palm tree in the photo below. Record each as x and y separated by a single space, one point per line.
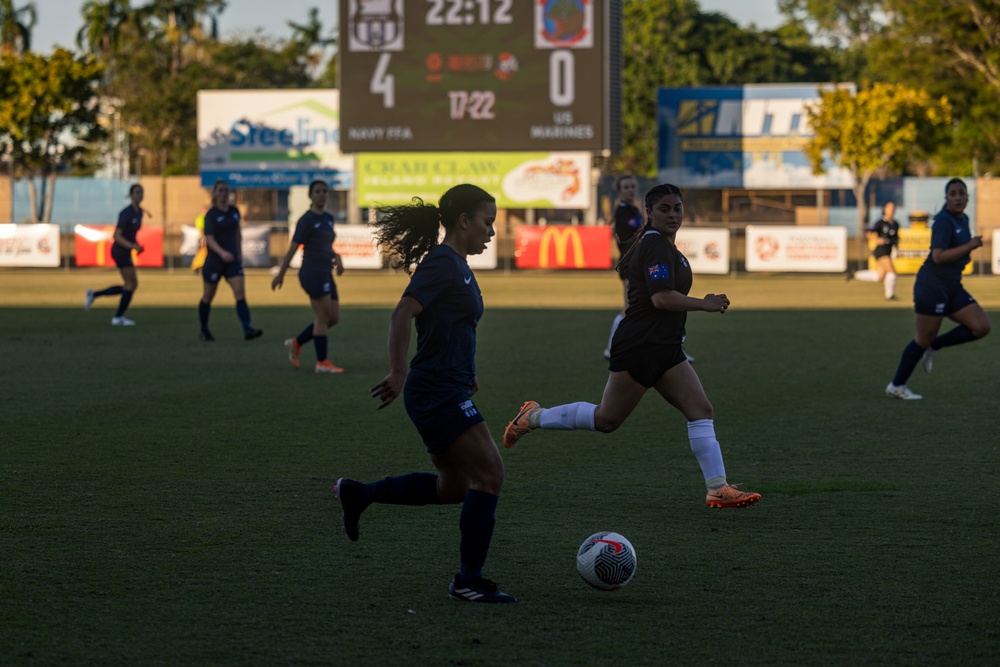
310 36
15 27
104 21
183 20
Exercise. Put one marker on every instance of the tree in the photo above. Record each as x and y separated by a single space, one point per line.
104 22
48 116
882 127
16 26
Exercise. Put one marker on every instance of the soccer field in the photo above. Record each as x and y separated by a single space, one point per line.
167 501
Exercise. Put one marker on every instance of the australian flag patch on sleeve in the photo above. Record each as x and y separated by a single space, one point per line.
659 272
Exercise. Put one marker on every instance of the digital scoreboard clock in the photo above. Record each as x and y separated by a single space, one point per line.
480 75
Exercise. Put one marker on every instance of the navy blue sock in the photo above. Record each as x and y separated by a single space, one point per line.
204 309
124 302
320 343
306 335
476 523
110 291
957 336
909 360
417 488
243 312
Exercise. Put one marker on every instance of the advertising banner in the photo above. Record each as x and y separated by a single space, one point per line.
797 249
271 138
707 250
29 245
517 180
93 246
256 246
563 247
749 137
995 263
190 243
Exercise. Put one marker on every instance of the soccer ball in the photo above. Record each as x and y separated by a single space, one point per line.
606 560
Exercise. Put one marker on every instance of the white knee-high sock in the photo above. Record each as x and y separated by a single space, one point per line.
890 285
867 275
614 327
706 449
567 417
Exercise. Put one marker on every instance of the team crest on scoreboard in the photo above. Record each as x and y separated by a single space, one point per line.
564 24
375 25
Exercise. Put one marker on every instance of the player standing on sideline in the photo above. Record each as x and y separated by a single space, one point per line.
646 351
314 232
129 222
224 260
938 292
627 221
885 232
444 300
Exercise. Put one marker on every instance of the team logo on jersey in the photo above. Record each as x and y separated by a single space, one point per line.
659 272
467 279
468 408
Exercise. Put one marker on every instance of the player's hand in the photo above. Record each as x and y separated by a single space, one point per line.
277 282
388 389
977 241
716 303
138 249
227 256
338 265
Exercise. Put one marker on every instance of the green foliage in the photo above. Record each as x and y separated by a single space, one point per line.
16 24
48 113
882 127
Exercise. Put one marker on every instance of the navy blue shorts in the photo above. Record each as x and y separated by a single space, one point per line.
442 425
882 251
122 256
318 283
647 366
939 299
215 269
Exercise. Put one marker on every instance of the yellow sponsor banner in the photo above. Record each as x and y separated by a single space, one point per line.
745 144
914 246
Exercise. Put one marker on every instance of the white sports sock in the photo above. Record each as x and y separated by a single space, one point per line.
867 275
568 417
890 285
706 449
614 327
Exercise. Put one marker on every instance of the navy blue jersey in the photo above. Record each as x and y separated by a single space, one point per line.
446 328
654 266
947 232
225 227
316 236
129 222
886 230
628 220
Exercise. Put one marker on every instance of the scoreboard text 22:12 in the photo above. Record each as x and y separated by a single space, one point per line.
479 75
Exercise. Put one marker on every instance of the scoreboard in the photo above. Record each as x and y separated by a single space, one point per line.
480 75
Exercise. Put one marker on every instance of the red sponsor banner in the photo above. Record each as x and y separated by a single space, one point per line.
563 247
93 246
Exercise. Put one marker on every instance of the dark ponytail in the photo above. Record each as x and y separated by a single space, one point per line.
410 231
653 196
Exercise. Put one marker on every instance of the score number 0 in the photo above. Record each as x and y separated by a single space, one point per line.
479 103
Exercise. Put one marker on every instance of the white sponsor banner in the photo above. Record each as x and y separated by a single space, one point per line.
996 252
486 260
805 249
356 246
707 250
29 245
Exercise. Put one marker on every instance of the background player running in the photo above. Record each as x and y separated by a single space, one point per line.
938 292
224 260
129 223
646 351
444 300
314 232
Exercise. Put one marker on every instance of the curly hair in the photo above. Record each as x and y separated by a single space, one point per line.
410 231
653 196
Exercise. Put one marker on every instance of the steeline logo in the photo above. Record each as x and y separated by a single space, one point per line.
296 126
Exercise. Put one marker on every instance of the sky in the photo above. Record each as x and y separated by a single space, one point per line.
60 20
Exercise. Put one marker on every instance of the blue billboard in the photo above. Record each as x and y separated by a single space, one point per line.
748 137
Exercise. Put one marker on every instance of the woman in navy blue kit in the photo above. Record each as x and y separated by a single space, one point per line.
444 300
129 223
938 292
224 260
314 232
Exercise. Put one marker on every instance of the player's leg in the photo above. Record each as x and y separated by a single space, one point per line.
973 324
237 282
210 287
326 313
681 387
888 276
130 284
927 327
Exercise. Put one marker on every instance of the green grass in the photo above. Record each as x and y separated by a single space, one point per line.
164 501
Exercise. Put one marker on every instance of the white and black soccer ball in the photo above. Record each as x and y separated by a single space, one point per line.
606 561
